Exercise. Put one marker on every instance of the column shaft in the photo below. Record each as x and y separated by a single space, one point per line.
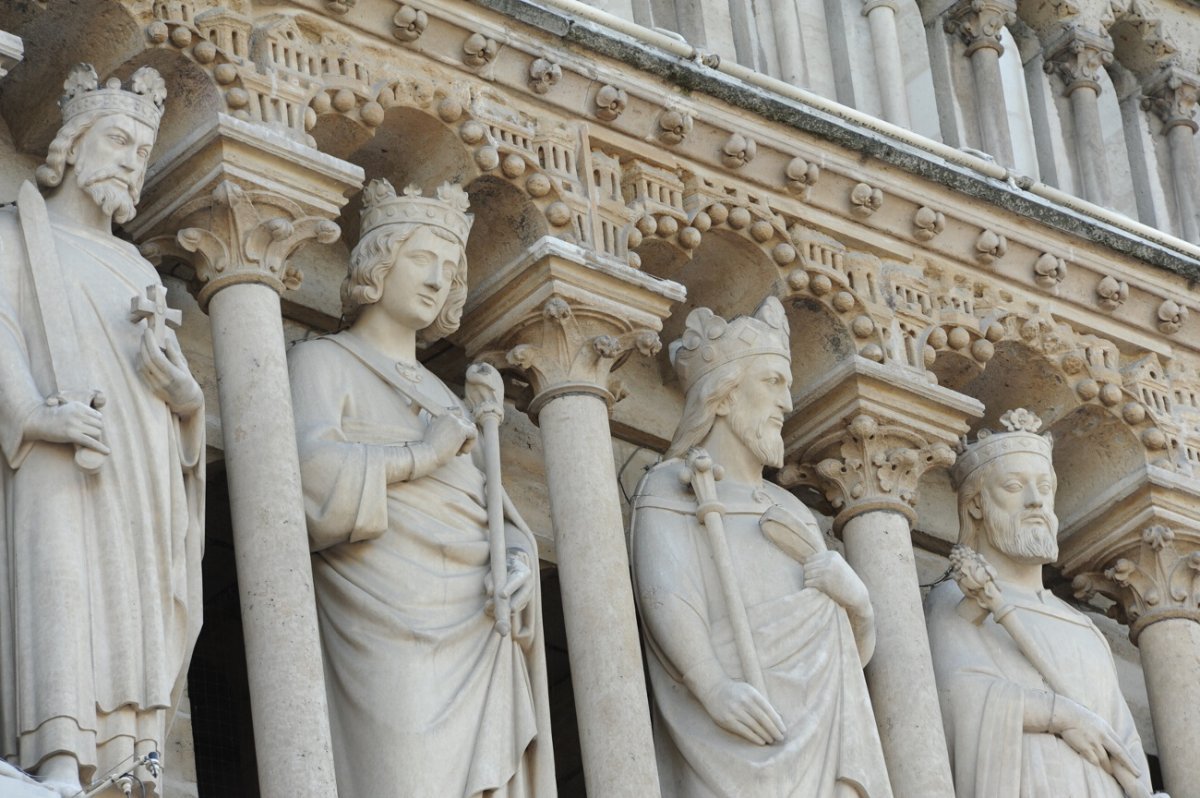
597 597
1183 164
1089 144
283 653
992 109
1170 663
889 68
900 675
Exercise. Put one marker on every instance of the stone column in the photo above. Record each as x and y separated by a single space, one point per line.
864 438
1078 57
565 317
239 235
1158 593
1172 94
889 68
979 23
12 50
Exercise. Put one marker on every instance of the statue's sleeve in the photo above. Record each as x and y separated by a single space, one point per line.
19 394
669 583
344 482
982 710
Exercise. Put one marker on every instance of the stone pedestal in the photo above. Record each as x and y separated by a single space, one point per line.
565 316
236 200
863 438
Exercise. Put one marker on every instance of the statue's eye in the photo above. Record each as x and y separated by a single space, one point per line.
1012 486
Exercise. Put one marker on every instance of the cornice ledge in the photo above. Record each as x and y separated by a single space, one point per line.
856 136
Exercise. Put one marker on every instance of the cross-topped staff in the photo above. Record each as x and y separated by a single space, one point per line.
152 307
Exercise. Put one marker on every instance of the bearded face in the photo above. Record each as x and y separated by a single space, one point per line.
758 405
1016 500
109 160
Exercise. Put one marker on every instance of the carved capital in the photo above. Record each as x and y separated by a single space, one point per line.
1172 95
1078 56
979 22
566 353
866 466
566 317
236 202
241 236
1163 581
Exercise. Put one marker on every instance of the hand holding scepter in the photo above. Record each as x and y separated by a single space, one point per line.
485 397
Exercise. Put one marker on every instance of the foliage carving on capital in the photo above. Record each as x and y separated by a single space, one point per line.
1172 95
1163 582
561 355
241 236
979 22
867 466
1078 57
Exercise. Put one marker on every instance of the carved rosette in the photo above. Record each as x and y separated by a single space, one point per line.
867 466
979 22
235 235
1163 582
1172 95
564 354
1078 56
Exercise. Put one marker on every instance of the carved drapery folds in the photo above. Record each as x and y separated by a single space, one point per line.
1163 581
869 466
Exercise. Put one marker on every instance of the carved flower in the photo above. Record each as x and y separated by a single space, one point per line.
1158 536
674 126
606 346
543 74
148 83
865 199
410 23
1021 420
610 102
479 50
1171 316
738 151
703 326
1111 293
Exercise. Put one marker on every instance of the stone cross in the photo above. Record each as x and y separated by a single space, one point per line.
152 306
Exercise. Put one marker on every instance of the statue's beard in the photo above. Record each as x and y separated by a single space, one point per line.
763 438
114 196
1021 539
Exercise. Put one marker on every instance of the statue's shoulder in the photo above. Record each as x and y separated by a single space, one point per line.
664 480
943 601
314 354
788 501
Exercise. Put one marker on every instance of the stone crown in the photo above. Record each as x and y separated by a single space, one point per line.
143 100
381 206
1021 435
710 341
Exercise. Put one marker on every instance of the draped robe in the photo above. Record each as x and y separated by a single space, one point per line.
99 574
982 677
804 641
426 698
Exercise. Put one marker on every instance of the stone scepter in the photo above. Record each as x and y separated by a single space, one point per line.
701 473
977 580
485 396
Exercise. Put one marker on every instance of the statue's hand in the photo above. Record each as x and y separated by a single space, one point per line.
167 374
832 575
740 709
1091 736
518 588
449 436
59 421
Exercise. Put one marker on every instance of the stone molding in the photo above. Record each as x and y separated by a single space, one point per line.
1172 95
1162 582
1077 56
979 22
12 51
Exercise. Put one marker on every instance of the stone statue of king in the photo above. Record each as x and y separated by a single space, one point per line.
1027 683
756 634
427 697
102 473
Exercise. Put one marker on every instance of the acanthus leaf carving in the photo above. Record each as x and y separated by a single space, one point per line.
1163 582
979 22
1079 56
866 465
1173 95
